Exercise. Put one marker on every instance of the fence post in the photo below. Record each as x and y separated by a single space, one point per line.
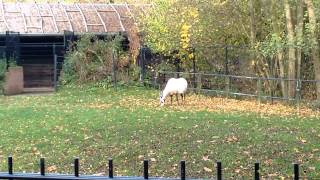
271 89
76 167
110 168
55 60
10 165
219 171
296 171
259 89
298 94
114 78
146 169
199 83
226 61
183 170
42 167
227 91
256 171
194 72
142 64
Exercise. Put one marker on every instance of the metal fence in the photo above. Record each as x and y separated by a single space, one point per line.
244 86
219 59
76 175
228 70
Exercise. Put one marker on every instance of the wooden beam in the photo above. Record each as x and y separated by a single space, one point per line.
53 17
39 14
65 11
119 17
23 17
129 10
83 17
3 14
99 15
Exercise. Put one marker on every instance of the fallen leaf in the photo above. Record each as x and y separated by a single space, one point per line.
207 169
303 140
52 168
205 158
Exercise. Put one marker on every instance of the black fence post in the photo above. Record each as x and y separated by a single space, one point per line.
142 64
296 171
256 171
110 168
55 60
146 169
226 62
183 170
177 64
42 167
76 167
10 165
219 171
259 90
194 73
298 94
114 78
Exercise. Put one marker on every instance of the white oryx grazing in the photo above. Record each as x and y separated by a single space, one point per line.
174 86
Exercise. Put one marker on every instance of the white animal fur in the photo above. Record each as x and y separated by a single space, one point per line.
174 86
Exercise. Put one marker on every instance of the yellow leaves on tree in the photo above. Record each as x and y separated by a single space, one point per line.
185 36
190 17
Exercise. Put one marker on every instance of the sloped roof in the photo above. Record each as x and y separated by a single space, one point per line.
48 18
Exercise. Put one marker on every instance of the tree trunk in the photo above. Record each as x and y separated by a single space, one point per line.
315 46
291 50
253 32
279 57
300 13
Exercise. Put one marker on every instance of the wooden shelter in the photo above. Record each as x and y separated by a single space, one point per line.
34 33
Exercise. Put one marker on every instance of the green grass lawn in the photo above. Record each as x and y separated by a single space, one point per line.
95 124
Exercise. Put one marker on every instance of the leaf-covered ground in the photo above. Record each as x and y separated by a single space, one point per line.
128 125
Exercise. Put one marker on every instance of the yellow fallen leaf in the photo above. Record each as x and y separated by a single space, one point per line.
52 168
207 169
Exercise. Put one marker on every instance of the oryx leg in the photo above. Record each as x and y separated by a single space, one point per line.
182 97
177 97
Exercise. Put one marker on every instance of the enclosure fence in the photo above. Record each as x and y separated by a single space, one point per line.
246 86
10 174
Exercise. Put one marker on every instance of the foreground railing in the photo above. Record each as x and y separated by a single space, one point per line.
76 175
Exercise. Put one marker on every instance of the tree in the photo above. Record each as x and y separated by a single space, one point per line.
315 45
291 49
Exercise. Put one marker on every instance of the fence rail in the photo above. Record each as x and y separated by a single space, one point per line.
76 165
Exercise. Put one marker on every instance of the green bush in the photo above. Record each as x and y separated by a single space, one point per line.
92 60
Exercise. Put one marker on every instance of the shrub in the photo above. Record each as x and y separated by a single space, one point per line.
92 60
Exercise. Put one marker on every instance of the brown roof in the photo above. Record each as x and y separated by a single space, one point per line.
48 18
